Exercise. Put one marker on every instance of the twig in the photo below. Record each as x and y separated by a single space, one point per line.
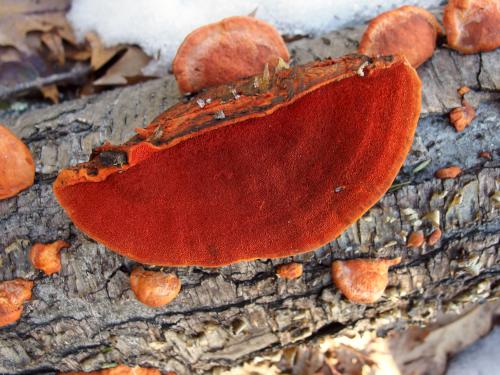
78 72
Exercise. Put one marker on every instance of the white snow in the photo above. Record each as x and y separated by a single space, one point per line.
159 26
482 358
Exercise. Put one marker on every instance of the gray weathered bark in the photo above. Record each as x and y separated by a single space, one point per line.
86 317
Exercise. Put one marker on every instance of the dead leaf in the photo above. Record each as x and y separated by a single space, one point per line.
50 92
100 54
54 43
126 70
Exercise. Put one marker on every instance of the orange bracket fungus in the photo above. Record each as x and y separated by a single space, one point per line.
448 172
13 293
461 117
415 239
120 370
472 25
233 48
17 169
289 271
281 169
409 30
153 288
362 280
47 257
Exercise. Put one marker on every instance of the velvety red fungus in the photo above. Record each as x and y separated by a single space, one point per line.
17 169
221 52
120 370
362 280
47 257
409 30
289 271
153 288
472 25
252 176
13 293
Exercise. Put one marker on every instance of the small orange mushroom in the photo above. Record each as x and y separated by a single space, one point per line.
17 169
120 370
434 237
13 293
362 280
415 239
461 117
472 25
463 90
47 257
218 179
449 172
225 51
408 30
289 271
153 288
486 155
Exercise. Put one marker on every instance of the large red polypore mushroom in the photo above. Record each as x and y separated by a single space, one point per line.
13 293
17 169
472 25
225 51
120 370
409 30
280 169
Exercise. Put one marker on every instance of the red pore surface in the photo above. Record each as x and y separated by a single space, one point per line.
279 170
13 293
410 31
472 25
233 48
17 169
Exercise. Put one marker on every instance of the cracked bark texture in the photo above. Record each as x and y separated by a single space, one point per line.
86 317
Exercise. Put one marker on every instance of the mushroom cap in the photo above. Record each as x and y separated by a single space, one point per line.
47 257
17 169
153 288
252 176
472 25
13 293
362 280
120 370
409 30
224 51
289 271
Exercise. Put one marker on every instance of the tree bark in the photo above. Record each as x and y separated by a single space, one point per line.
86 317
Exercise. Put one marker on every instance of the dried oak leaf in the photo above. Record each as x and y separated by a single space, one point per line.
472 25
409 30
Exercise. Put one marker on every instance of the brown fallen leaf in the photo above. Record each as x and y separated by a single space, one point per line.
128 69
50 92
100 55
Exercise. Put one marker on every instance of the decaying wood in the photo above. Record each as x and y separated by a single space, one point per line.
86 316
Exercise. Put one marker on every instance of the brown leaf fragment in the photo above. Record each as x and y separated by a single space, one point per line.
127 68
100 54
449 172
50 92
434 237
415 239
54 43
461 117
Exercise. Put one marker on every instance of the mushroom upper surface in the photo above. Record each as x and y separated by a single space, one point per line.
224 51
472 25
13 293
281 169
409 30
17 169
